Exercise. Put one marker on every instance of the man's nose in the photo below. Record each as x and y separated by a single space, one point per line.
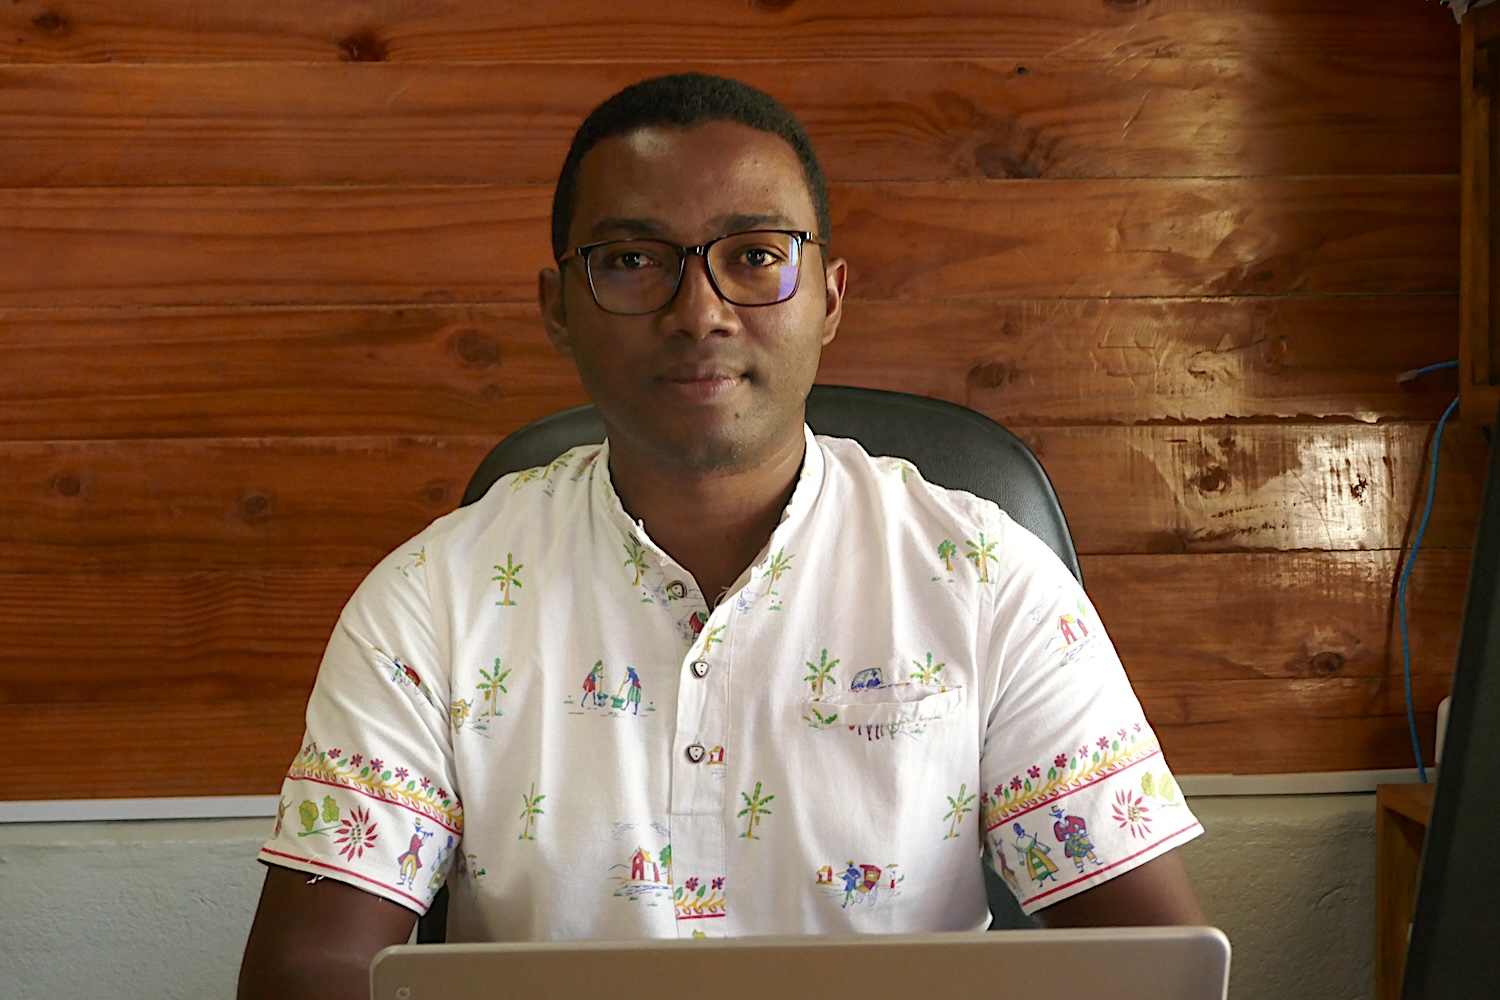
698 309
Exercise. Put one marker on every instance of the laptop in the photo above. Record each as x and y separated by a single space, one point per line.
1130 963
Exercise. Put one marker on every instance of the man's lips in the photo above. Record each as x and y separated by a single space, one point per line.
703 382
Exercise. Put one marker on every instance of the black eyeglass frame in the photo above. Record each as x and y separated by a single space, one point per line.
802 237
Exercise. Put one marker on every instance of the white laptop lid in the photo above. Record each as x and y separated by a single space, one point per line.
1135 963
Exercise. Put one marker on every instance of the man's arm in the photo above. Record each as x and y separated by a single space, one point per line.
1156 893
315 938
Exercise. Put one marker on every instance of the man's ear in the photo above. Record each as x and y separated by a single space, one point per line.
549 294
834 276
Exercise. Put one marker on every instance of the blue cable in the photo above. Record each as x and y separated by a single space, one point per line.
1437 441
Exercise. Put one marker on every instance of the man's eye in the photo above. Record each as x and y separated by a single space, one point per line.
758 257
630 260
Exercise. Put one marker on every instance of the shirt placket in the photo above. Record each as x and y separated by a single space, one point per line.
699 780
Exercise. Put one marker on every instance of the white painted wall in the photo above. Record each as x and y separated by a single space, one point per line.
161 909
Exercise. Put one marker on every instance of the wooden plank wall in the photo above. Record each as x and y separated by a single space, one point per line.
267 298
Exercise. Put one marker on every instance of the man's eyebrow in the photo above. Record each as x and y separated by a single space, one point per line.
738 223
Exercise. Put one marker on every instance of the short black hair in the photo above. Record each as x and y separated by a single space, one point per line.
683 100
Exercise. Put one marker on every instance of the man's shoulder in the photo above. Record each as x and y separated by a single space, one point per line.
521 502
899 483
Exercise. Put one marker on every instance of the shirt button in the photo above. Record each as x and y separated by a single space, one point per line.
699 668
695 752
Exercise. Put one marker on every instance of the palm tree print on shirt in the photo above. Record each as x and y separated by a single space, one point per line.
493 687
946 551
531 811
508 576
960 806
636 560
926 673
755 808
822 671
981 554
780 563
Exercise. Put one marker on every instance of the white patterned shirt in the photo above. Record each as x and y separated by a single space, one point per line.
534 702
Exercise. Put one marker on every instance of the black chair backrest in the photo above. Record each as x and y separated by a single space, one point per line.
950 444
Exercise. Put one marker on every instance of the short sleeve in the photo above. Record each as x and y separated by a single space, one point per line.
370 798
1076 790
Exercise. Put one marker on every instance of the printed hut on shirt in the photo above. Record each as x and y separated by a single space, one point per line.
532 701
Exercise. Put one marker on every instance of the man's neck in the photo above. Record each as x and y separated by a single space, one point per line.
713 524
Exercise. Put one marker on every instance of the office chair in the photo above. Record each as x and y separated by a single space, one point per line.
949 444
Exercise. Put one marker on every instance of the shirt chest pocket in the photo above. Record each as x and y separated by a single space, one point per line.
885 711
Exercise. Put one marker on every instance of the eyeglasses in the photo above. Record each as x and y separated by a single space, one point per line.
633 277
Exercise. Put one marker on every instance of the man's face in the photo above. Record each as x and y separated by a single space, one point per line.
700 385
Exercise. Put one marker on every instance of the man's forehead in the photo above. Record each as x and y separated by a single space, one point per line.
723 173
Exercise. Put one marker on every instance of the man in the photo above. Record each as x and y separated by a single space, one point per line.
737 575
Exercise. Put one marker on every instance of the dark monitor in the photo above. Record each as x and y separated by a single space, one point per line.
1455 938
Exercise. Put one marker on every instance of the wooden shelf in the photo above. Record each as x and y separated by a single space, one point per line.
1401 816
1479 241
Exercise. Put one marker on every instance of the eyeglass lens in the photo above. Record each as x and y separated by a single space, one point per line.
641 276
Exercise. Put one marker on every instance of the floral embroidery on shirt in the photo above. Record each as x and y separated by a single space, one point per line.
697 899
530 811
507 576
959 806
557 465
862 883
356 834
714 637
755 808
1067 773
379 782
981 554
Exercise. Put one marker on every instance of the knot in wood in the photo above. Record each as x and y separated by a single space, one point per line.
772 5
1326 663
437 492
255 507
475 347
66 485
363 46
991 375
50 20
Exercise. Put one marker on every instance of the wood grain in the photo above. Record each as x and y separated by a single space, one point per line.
1092 361
1264 663
113 750
95 506
580 30
227 372
1287 616
478 370
278 124
1206 488
267 246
